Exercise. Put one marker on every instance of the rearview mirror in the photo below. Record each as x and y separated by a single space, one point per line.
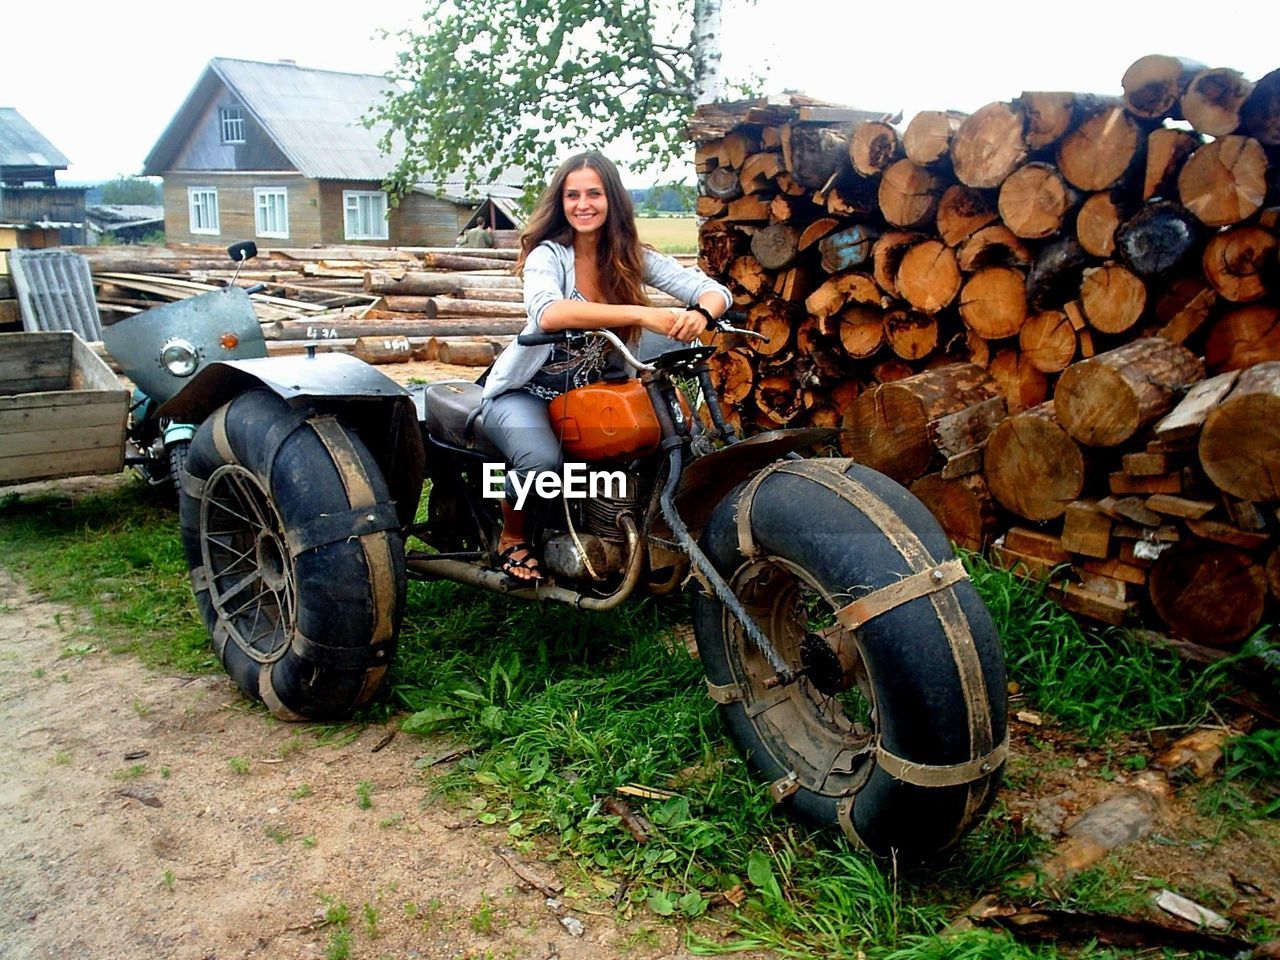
244 250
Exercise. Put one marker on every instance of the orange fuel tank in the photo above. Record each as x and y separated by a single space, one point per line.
604 421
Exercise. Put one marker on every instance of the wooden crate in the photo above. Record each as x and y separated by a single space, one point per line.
62 410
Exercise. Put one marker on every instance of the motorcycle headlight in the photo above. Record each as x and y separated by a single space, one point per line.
178 356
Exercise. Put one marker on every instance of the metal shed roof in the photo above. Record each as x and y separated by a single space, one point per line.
22 145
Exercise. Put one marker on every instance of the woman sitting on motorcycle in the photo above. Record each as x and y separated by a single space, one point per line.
584 268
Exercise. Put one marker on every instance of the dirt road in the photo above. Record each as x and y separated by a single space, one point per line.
145 815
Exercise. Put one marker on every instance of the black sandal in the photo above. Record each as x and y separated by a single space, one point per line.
509 564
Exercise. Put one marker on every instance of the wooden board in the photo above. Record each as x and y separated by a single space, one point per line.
62 410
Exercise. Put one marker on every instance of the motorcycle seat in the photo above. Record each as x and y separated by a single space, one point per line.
452 414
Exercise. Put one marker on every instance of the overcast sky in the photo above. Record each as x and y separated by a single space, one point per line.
101 80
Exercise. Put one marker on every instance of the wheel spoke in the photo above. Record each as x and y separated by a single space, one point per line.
224 508
256 598
237 555
247 497
241 545
240 584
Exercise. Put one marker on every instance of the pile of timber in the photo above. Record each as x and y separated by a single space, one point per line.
385 305
319 295
997 309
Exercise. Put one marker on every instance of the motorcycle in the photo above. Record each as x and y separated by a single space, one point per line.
161 349
851 659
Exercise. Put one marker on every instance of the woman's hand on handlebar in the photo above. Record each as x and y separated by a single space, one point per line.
658 320
688 326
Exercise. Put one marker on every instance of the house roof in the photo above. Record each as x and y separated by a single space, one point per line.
313 116
22 145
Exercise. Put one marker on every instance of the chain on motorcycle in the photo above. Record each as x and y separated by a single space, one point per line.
711 578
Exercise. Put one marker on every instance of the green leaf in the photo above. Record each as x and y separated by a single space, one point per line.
660 904
430 719
759 870
692 904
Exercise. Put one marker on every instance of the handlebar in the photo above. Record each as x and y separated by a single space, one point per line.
573 337
541 339
256 288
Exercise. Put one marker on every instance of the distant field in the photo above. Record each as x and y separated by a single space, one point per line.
669 234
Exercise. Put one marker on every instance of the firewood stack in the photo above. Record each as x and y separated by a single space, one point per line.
1004 311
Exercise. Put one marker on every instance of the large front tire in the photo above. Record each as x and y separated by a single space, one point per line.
904 750
295 554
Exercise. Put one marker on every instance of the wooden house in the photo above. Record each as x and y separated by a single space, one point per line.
34 210
277 153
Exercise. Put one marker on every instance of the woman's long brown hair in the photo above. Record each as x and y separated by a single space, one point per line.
620 255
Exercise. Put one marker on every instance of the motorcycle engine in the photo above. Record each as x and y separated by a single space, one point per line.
596 547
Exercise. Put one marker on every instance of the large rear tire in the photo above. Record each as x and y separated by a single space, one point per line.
295 554
905 748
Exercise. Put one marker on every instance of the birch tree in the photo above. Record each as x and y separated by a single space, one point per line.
490 85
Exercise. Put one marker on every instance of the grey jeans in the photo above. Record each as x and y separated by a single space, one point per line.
519 425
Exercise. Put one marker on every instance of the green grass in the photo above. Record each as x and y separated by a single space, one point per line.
1098 681
669 234
566 706
118 557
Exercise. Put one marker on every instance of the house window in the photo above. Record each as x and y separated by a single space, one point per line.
202 202
271 211
231 120
365 214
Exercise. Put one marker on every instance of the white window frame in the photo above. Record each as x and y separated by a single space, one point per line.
262 197
231 123
202 210
351 205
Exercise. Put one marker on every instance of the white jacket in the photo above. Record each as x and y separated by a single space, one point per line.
549 276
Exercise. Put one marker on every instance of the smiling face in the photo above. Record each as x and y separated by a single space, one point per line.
585 205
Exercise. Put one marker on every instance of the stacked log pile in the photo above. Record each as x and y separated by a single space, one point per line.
1001 310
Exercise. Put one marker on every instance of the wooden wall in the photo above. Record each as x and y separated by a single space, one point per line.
419 221
235 208
204 149
315 212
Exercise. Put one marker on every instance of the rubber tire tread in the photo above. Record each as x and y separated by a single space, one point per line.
176 454
336 600
921 711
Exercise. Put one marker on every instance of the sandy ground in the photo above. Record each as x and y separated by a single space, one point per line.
127 831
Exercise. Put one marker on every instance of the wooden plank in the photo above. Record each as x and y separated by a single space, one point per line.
1179 506
1222 532
13 384
1145 464
88 372
1116 569
1036 543
1105 586
1186 419
1129 508
43 442
61 398
75 463
1167 533
1021 564
62 417
1081 600
1121 483
1086 529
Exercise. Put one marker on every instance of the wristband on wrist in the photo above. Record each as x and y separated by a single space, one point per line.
702 310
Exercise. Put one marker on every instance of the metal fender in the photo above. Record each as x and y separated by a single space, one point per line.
707 480
375 406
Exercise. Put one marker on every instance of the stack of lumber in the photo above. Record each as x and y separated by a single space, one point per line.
318 295
999 308
386 305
